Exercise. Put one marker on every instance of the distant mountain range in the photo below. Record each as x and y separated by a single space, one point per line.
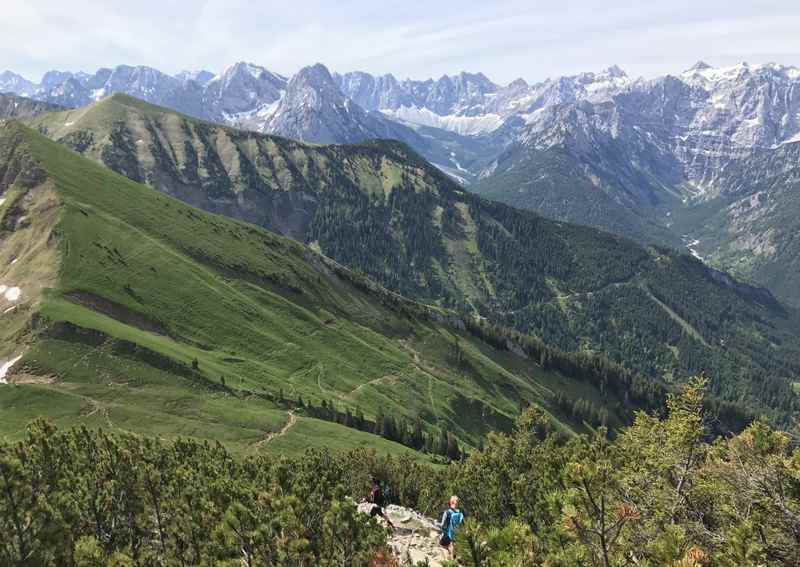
702 159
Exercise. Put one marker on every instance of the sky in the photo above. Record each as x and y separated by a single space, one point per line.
503 39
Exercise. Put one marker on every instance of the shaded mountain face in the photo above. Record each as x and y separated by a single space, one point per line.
669 152
753 227
12 106
384 211
12 83
239 91
314 109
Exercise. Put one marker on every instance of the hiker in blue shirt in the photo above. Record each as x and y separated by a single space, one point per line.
451 520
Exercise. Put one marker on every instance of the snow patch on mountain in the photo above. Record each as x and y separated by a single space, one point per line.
792 140
464 125
710 74
6 366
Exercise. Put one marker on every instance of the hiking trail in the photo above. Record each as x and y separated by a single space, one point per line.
272 435
415 537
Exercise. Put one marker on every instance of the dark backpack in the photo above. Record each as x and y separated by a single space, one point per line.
376 496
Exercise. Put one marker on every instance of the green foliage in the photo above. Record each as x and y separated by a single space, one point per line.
88 498
512 545
663 492
152 302
379 209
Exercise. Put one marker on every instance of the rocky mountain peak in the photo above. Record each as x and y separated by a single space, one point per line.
200 77
14 83
313 86
52 79
615 72
241 88
314 75
699 66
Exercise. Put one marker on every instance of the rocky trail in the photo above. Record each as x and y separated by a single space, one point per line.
415 538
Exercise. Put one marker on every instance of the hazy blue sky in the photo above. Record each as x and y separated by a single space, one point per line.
504 39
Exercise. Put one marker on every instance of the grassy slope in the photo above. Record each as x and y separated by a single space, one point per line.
146 284
381 210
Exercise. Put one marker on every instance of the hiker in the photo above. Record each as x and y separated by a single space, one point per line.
451 519
378 502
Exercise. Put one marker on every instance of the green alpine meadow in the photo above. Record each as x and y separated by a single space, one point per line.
140 312
381 210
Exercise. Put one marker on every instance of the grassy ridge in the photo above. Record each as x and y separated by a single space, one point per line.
146 285
380 209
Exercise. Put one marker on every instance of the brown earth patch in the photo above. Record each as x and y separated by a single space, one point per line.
116 311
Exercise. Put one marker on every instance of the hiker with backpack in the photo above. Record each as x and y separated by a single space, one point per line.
451 520
378 502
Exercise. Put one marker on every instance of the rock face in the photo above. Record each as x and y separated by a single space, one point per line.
415 538
314 109
16 84
239 92
12 106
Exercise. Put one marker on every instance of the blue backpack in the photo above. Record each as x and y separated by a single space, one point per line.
454 519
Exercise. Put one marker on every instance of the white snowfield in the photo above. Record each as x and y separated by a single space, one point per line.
464 125
10 293
5 367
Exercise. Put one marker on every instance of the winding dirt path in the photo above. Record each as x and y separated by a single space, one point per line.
375 382
270 436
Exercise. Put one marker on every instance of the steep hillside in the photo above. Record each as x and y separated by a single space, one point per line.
12 106
700 155
753 228
125 307
561 185
380 209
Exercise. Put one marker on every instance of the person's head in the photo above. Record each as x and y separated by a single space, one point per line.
375 481
454 502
